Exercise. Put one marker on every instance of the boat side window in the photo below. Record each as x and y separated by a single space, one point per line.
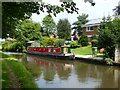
54 49
49 50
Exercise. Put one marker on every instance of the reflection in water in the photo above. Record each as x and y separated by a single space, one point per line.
54 73
51 67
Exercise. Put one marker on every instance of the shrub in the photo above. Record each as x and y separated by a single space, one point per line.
43 42
83 40
108 61
6 44
51 41
94 42
14 46
46 41
59 42
74 45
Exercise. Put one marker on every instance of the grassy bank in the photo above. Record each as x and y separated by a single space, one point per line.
82 50
23 75
5 76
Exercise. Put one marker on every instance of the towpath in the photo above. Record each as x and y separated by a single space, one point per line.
91 58
88 57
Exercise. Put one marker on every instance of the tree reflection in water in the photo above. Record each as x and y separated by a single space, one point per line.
67 73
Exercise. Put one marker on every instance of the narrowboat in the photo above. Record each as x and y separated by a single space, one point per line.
64 52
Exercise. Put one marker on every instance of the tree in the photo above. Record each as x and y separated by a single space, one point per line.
117 10
15 11
28 30
64 29
83 40
49 25
109 36
82 19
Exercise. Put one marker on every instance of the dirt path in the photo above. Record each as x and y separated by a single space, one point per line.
14 81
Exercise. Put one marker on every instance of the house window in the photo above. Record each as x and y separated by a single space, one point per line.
89 28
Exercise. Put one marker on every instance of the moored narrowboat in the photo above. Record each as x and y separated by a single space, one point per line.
64 52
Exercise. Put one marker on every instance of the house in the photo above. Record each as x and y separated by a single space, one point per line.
90 28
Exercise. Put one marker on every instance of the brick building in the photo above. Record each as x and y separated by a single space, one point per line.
90 28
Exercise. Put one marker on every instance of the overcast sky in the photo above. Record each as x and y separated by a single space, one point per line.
101 8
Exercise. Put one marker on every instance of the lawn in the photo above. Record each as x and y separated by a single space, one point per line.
87 50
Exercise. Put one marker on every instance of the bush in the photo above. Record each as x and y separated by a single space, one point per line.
94 42
83 40
14 46
59 42
6 44
108 61
46 41
74 45
51 41
43 42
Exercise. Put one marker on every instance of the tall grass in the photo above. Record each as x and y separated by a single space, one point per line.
24 76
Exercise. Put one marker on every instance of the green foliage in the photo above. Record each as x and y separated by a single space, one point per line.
83 40
22 11
64 29
5 76
49 25
51 41
15 46
94 42
59 42
15 11
108 61
28 30
74 45
82 19
46 41
109 36
43 42
23 75
6 44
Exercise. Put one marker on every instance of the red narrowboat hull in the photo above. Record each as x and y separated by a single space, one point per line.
50 51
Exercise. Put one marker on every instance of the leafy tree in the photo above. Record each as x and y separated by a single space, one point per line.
14 11
117 10
83 40
109 36
49 25
64 29
82 19
28 30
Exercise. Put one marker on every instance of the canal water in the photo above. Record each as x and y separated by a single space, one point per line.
55 73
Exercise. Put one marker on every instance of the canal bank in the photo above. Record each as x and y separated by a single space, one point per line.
92 59
15 74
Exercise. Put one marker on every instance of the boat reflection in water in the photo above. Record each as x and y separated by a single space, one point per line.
57 64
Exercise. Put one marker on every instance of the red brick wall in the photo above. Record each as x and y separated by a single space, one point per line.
90 32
